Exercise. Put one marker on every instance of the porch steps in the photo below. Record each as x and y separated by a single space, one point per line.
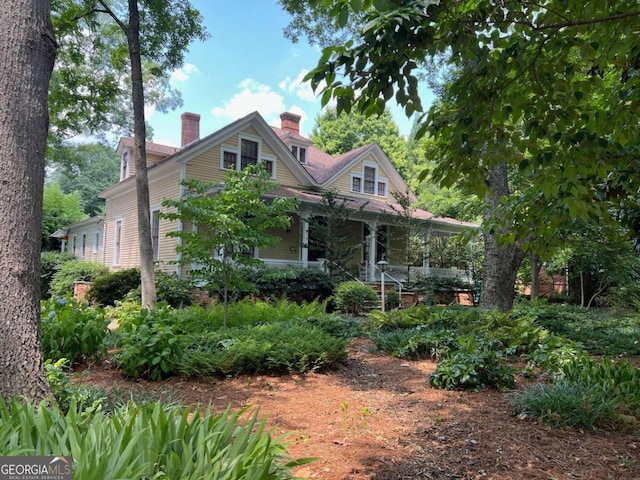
408 299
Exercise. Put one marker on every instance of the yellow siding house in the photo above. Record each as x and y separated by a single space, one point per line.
364 177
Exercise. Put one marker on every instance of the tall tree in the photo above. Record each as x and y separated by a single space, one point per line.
90 92
27 53
87 169
549 88
160 31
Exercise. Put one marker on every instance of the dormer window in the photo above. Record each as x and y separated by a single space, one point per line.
124 166
369 181
300 153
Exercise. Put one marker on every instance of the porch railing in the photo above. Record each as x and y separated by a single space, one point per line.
393 279
342 269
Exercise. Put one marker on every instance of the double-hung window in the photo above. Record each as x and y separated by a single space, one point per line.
369 180
248 153
116 242
96 241
124 165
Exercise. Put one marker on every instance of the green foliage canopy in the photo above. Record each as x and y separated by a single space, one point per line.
86 169
549 88
59 209
91 83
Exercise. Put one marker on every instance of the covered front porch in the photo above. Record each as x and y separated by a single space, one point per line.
373 244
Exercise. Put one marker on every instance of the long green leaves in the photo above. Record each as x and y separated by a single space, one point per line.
150 441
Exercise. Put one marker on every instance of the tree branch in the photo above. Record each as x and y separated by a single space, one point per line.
112 14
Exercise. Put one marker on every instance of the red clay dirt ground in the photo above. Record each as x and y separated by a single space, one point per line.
378 418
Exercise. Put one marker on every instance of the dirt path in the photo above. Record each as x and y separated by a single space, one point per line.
377 418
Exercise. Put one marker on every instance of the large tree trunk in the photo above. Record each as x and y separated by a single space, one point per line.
27 52
147 273
501 263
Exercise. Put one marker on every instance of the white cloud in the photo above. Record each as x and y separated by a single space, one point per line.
298 87
252 96
183 74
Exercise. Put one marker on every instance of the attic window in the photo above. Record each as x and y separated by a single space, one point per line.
124 165
369 181
248 153
245 154
300 153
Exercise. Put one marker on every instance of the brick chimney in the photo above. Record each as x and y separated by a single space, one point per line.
290 122
190 127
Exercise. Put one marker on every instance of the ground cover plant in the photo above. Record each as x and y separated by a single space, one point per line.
599 331
259 337
477 349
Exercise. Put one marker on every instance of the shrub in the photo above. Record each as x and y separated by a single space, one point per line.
173 290
75 271
270 348
170 289
391 300
355 298
296 284
51 263
150 347
436 289
148 441
72 330
475 364
113 286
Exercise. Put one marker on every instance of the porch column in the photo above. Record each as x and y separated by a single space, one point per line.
373 235
304 250
426 253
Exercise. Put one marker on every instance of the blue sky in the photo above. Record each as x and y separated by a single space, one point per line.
245 65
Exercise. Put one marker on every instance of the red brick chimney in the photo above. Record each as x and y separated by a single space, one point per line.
190 127
290 122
